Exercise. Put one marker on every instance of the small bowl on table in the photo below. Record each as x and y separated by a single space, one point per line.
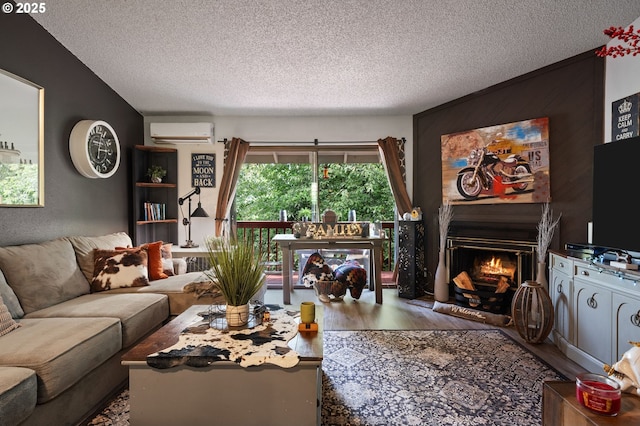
598 393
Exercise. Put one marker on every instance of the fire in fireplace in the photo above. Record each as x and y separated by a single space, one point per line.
485 272
490 267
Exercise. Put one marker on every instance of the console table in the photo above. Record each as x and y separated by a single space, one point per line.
289 244
200 251
224 392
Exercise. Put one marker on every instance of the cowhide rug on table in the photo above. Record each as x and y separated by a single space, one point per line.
419 377
201 345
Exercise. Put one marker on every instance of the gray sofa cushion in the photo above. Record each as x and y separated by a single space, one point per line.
193 288
43 274
60 350
138 313
84 247
10 299
18 394
182 290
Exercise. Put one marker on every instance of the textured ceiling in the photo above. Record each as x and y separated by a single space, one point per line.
321 57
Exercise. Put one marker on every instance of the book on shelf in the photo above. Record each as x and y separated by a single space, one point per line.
154 211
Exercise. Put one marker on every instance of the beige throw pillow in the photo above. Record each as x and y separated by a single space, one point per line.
84 247
7 324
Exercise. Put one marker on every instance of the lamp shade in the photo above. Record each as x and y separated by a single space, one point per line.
199 211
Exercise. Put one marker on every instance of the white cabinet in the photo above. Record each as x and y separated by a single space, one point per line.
627 323
592 319
597 310
560 289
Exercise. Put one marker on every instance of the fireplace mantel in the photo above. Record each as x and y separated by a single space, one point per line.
513 231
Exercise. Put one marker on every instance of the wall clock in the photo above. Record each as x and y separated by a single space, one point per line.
94 148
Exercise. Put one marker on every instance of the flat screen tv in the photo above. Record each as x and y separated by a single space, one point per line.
616 183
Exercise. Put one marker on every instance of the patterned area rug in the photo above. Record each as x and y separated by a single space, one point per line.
419 377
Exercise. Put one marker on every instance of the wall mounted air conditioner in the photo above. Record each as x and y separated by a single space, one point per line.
181 133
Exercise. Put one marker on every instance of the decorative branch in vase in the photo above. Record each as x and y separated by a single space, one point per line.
441 284
546 228
445 214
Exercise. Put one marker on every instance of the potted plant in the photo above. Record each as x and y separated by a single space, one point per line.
237 271
156 173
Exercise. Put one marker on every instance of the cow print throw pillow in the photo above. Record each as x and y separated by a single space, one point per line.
119 268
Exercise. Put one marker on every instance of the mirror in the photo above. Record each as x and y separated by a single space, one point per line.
21 142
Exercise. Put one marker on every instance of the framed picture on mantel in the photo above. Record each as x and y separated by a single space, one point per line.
506 163
21 142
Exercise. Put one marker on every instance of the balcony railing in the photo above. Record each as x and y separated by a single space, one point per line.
262 233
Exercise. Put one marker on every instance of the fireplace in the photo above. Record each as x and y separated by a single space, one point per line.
487 263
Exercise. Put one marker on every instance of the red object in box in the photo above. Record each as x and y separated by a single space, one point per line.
598 393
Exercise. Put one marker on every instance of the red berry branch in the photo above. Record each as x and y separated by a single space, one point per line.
629 36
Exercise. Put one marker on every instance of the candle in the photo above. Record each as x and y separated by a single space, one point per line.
307 312
598 393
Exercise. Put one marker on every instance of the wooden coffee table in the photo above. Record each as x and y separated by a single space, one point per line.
224 393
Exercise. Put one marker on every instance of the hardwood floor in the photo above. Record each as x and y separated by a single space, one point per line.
396 313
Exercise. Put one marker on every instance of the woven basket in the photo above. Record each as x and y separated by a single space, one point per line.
323 287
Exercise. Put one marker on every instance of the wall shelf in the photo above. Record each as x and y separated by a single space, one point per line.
155 185
147 222
146 227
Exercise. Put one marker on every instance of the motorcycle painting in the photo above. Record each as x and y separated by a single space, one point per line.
498 164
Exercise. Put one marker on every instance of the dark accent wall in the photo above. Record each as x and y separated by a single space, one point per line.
73 204
571 94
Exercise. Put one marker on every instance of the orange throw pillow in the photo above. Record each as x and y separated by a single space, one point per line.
154 259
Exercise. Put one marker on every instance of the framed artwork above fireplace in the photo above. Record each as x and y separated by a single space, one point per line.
506 163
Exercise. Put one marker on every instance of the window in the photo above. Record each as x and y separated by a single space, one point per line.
276 178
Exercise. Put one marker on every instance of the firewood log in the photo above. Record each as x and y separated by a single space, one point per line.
503 285
463 281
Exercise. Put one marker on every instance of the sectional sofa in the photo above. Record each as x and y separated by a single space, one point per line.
64 326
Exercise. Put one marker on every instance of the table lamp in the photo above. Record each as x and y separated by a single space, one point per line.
198 212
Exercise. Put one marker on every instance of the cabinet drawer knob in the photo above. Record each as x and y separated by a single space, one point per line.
583 272
561 265
559 288
592 302
635 319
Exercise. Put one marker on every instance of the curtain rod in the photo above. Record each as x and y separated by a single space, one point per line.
315 142
302 148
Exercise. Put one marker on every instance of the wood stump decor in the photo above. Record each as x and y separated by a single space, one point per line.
532 312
